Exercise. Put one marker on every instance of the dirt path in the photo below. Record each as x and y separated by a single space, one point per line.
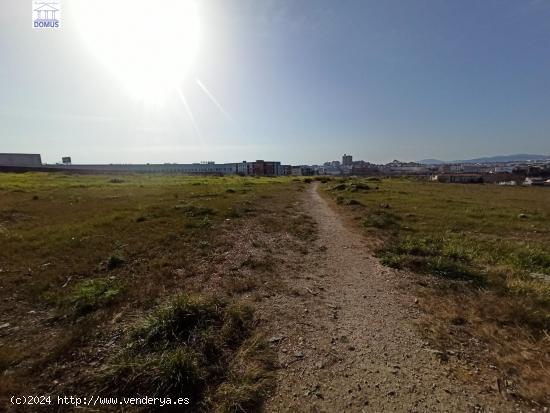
346 339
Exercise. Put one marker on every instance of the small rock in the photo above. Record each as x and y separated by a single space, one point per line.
522 216
276 339
298 354
5 325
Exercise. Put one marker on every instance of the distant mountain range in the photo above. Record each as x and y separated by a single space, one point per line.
492 159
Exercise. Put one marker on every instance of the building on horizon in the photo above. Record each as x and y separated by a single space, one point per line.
347 160
20 159
33 162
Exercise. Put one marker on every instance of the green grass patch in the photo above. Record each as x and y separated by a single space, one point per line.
457 230
190 347
90 295
436 256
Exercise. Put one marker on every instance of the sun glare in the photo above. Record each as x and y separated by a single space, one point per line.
150 46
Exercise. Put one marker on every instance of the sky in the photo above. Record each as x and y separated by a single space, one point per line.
299 81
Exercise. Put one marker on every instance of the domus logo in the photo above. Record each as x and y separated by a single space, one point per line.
46 14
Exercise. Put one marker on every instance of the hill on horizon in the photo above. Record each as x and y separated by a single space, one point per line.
490 159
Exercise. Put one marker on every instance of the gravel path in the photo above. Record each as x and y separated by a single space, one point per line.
346 339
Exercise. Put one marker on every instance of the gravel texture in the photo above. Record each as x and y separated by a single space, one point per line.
346 338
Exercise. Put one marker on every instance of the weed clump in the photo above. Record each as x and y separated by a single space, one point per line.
382 220
339 187
205 222
93 294
532 259
114 261
203 244
188 347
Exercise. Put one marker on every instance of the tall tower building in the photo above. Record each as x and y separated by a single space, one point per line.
347 160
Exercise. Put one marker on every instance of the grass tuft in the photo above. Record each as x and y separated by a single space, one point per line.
90 295
382 219
191 347
115 260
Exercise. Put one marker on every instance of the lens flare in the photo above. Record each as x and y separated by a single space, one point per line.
214 100
150 46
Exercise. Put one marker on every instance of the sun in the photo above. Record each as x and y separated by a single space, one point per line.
149 45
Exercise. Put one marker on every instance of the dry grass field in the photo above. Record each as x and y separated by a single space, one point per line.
166 285
484 253
136 283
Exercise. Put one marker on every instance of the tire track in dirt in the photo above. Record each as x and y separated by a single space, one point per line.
346 338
